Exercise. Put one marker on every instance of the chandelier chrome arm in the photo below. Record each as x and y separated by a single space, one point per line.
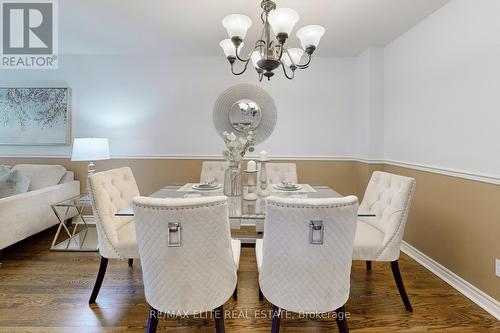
299 66
260 72
282 47
306 65
244 68
286 74
259 43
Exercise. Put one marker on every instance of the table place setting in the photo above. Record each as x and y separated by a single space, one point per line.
287 186
292 187
207 186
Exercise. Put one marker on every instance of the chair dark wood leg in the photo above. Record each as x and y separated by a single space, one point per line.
401 287
235 293
368 265
276 315
99 279
153 315
131 262
341 320
219 319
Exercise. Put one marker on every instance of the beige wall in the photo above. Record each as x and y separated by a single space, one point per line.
151 175
452 220
456 222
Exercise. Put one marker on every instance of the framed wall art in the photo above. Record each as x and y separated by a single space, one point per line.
35 116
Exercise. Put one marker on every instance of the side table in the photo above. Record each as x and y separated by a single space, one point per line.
83 240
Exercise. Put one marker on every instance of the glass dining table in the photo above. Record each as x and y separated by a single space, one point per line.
242 213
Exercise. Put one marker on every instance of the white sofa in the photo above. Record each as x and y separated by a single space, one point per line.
26 214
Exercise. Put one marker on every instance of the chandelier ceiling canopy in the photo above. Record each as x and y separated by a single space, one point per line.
270 51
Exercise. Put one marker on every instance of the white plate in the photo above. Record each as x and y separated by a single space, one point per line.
203 187
297 187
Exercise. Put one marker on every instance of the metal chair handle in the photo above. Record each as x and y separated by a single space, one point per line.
174 238
316 232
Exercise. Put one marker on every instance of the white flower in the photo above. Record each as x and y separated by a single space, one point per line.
236 147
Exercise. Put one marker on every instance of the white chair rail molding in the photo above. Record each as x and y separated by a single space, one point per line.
250 166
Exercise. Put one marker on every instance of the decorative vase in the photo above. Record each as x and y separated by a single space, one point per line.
233 180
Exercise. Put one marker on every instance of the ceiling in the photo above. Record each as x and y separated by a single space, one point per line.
193 28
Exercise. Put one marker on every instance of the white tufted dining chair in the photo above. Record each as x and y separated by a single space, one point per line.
213 171
297 274
189 261
281 172
378 238
112 191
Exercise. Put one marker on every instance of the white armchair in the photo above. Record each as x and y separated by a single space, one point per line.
281 172
305 258
112 191
378 238
189 261
213 170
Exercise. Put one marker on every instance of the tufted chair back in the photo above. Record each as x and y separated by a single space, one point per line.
200 274
297 275
111 192
388 196
213 170
281 172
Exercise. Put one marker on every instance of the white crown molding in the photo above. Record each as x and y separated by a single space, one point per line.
473 293
475 176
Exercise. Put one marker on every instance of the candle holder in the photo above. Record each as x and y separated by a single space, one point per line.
250 195
263 188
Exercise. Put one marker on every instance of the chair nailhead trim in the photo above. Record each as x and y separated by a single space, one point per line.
403 218
308 206
180 208
98 219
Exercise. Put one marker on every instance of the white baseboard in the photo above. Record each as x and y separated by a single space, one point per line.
476 295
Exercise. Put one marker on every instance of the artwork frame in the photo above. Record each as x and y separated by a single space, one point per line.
47 120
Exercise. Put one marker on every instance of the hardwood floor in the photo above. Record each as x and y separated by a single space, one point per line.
43 291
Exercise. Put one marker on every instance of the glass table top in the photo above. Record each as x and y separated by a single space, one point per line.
238 207
80 201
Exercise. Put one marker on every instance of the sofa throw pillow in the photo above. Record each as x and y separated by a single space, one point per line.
3 170
13 183
41 176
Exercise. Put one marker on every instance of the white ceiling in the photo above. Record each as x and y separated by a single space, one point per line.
174 27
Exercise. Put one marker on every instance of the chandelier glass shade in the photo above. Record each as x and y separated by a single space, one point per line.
229 48
270 51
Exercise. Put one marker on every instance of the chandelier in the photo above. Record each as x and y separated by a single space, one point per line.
270 51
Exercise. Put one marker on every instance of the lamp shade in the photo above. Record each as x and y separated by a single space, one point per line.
90 149
237 25
310 35
256 56
295 54
282 20
229 49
